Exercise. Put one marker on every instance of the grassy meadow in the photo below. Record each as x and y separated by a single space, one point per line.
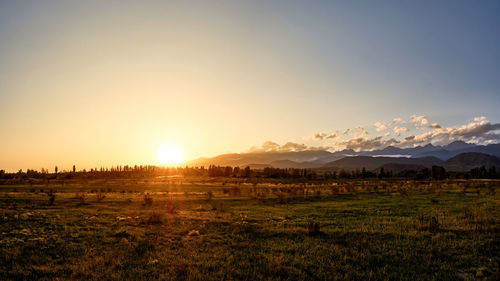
178 229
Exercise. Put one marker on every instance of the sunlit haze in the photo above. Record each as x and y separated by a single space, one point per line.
170 154
102 83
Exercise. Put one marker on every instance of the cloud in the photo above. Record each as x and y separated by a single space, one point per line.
399 129
479 131
380 126
358 144
292 146
320 136
397 121
419 121
410 138
332 136
361 134
435 126
323 136
270 146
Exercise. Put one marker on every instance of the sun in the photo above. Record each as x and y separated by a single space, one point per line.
170 154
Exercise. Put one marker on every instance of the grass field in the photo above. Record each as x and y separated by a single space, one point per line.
147 230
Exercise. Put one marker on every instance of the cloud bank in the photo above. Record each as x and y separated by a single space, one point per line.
396 132
270 146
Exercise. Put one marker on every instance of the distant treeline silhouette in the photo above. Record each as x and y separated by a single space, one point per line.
144 171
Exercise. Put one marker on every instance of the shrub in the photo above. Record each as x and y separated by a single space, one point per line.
100 196
403 192
281 196
210 195
313 228
148 199
218 206
155 218
428 222
170 207
80 197
235 191
52 198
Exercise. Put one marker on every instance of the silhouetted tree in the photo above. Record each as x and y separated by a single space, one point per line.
438 173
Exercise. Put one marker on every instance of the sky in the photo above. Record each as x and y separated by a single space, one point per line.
101 83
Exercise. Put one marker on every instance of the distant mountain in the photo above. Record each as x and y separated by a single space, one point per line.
396 168
259 166
320 158
244 159
469 160
372 163
447 152
286 164
458 145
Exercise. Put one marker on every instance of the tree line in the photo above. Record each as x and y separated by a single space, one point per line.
213 171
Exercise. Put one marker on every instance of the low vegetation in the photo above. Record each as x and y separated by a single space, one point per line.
198 229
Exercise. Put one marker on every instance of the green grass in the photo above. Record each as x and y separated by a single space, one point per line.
446 235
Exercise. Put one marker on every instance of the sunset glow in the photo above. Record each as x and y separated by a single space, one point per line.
170 155
97 83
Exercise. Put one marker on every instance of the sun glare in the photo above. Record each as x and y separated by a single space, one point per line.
170 154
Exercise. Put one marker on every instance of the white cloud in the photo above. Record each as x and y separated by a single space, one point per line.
358 144
324 136
361 134
419 120
379 126
397 121
320 136
400 129
292 146
479 131
332 136
270 146
435 126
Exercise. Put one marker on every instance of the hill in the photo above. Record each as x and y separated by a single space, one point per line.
372 163
469 160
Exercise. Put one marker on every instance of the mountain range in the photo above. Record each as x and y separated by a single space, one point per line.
456 156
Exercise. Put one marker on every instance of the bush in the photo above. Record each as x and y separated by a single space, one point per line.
170 207
155 218
52 198
210 195
218 206
235 191
313 228
428 222
80 197
148 199
100 196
